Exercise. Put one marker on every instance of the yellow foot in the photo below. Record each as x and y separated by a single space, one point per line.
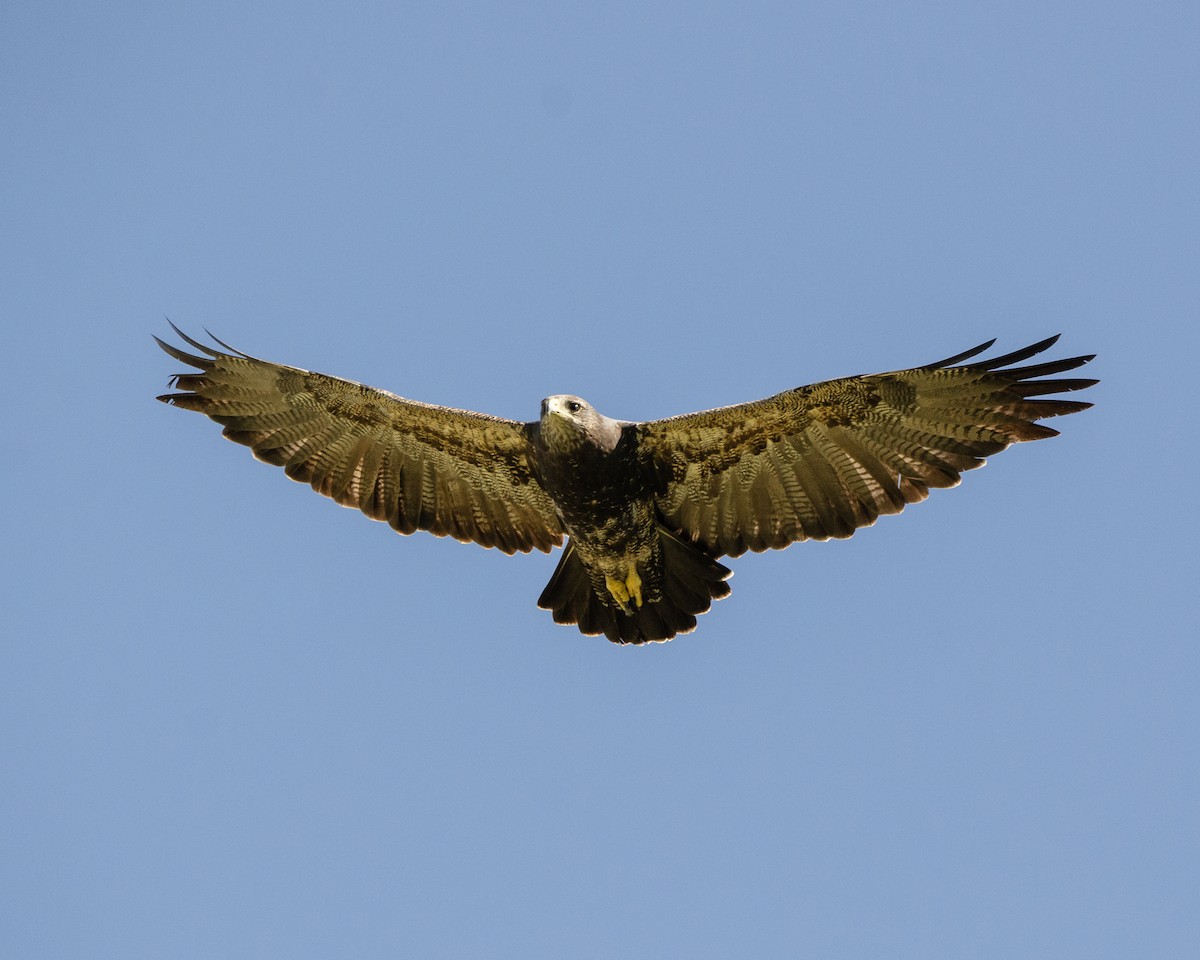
625 590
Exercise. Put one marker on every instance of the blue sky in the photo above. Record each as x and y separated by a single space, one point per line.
241 722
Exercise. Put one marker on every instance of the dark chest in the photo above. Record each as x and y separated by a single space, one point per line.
591 486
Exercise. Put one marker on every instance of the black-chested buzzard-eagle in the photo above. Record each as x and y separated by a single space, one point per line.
647 507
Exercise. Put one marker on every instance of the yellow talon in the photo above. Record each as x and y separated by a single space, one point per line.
626 590
618 590
633 583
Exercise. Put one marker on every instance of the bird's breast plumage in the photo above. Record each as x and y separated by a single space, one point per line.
590 486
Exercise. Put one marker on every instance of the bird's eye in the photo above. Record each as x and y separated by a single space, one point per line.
574 406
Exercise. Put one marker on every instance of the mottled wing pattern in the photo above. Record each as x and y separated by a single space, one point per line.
822 460
414 465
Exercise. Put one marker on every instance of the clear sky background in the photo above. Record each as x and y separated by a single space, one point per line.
239 721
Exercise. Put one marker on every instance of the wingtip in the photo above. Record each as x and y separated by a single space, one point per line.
192 341
233 350
960 357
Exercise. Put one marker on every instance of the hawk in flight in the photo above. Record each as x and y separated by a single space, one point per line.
646 508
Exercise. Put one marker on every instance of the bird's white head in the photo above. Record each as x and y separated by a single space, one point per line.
567 419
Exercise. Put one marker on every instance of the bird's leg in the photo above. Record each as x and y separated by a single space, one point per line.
623 591
617 589
634 585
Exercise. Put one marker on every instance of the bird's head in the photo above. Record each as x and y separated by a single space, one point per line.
568 420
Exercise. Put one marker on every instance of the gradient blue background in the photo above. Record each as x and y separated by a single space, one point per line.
241 722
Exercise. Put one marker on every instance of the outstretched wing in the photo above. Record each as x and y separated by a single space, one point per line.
822 460
414 465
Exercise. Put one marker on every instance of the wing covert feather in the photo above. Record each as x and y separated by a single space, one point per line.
823 460
413 465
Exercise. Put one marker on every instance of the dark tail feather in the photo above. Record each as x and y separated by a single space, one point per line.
692 580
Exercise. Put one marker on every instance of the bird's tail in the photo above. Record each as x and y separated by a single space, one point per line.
692 580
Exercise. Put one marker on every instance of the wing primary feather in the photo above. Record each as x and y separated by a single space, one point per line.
191 360
959 357
1016 356
1032 388
232 350
1049 367
203 347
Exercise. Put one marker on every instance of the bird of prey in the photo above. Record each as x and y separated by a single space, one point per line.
646 508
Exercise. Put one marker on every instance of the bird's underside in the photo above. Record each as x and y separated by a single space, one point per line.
647 509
